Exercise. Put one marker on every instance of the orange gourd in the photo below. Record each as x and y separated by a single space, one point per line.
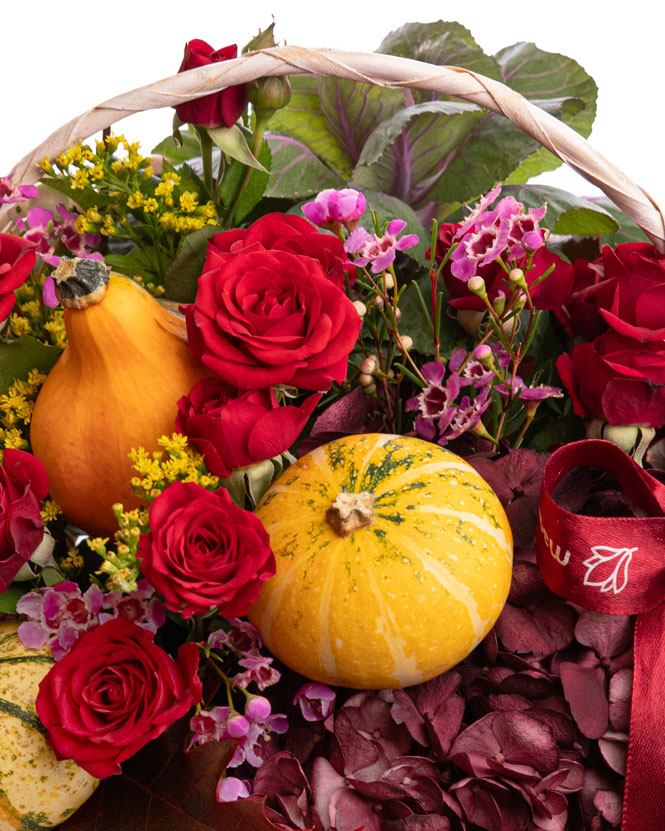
393 562
115 387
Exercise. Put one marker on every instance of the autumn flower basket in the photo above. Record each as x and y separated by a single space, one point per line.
344 513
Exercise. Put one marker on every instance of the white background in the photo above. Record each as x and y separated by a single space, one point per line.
58 60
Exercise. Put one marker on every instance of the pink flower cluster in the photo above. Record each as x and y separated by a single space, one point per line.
59 615
11 194
507 230
380 251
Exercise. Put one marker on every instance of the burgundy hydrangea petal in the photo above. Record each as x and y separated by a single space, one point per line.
525 740
621 690
607 635
404 711
547 630
585 689
614 750
609 805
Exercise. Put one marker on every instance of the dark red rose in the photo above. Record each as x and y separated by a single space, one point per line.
627 289
579 314
235 429
285 232
549 294
271 317
23 482
616 378
114 692
17 259
204 551
219 108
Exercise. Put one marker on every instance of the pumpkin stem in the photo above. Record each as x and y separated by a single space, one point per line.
351 511
80 283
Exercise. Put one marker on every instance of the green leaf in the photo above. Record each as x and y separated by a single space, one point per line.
168 148
18 357
264 40
136 264
297 172
407 154
11 597
304 119
537 74
255 188
563 430
182 278
566 213
442 43
490 154
232 142
629 230
85 198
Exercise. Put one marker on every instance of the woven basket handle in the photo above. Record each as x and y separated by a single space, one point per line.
374 68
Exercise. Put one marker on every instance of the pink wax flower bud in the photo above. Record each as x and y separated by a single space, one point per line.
230 789
316 701
336 206
257 708
237 726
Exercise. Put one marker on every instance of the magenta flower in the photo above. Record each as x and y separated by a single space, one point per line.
436 401
379 251
50 232
336 206
10 194
316 701
257 671
241 637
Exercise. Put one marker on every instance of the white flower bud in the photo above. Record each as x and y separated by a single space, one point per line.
360 307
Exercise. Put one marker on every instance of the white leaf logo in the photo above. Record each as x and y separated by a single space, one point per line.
608 568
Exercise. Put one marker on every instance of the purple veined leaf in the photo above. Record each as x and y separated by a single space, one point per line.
296 171
442 43
406 154
352 110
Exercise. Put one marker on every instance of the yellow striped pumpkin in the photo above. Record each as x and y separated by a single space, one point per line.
393 562
36 790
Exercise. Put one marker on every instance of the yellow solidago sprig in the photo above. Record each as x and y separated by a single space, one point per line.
16 407
32 317
119 561
154 212
176 462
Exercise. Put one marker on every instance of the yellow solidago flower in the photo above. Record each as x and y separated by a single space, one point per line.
150 205
46 165
13 439
175 178
135 200
51 511
97 172
19 325
80 180
108 228
188 201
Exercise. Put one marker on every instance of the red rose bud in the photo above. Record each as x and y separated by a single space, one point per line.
17 259
218 109
23 482
113 693
203 551
232 428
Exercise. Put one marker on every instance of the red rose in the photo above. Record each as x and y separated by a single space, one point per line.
616 378
271 317
114 692
285 232
218 108
204 551
235 429
549 294
17 259
623 289
23 482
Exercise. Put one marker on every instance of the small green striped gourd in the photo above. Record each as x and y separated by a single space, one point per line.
36 790
394 560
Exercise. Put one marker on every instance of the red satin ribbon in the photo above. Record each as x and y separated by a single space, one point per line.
617 565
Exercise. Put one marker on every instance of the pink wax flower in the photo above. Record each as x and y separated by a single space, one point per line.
379 251
10 194
230 789
336 206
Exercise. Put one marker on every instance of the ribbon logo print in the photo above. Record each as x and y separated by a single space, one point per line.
596 567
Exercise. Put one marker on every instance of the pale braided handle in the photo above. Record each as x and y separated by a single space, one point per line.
374 68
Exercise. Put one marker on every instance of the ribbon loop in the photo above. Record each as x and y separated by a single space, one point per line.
609 564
